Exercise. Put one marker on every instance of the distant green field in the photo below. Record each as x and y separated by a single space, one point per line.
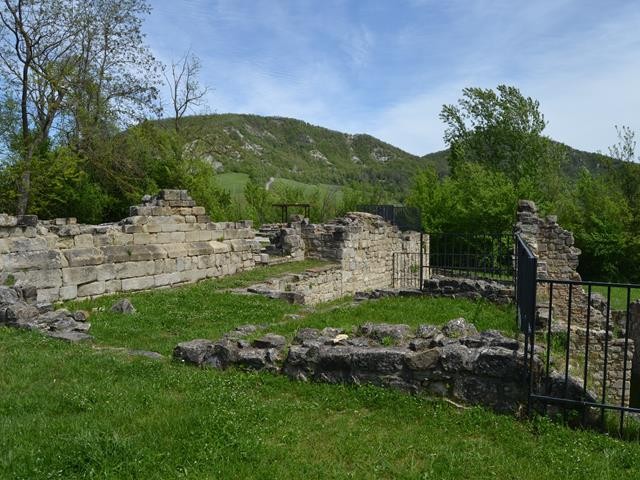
235 183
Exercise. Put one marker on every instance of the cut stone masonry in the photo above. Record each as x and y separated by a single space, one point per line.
166 241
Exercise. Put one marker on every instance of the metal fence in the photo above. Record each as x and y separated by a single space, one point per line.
409 269
590 345
405 218
472 255
579 347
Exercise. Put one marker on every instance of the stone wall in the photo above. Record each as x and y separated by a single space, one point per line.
361 246
454 361
558 260
166 241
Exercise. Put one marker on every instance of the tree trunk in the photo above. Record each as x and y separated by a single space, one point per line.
24 189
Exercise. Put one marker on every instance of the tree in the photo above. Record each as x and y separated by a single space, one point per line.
185 89
501 130
73 71
35 43
625 149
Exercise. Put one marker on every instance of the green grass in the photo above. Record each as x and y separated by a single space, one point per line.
235 182
69 412
618 296
206 310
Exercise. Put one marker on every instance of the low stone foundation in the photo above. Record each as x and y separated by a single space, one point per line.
473 289
454 361
18 309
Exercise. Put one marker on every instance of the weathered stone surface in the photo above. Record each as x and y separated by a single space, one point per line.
195 351
424 360
493 291
427 331
382 331
8 295
123 305
459 327
484 373
270 341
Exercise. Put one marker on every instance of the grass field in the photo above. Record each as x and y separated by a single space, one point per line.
74 411
618 296
235 183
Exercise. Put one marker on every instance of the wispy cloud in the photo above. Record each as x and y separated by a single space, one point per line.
387 68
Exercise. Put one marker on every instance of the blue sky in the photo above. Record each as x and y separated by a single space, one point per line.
386 67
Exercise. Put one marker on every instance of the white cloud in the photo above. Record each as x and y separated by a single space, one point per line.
322 63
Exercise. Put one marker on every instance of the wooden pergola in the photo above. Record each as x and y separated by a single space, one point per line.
284 208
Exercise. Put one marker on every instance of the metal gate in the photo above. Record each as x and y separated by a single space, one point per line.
578 350
409 269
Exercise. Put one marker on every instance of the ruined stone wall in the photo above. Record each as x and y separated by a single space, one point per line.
363 245
558 259
166 241
360 246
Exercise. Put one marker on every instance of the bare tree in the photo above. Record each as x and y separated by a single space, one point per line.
79 67
625 149
185 89
35 42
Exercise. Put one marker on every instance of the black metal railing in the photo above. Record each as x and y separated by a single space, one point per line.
472 255
526 271
405 218
409 269
589 366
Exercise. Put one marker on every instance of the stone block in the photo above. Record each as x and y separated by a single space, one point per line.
113 286
79 257
108 271
133 229
79 275
41 259
27 220
40 278
192 276
198 236
138 283
91 289
167 279
17 244
8 220
169 227
199 248
135 269
141 253
83 241
117 253
48 295
175 250
239 245
68 292
144 238
102 240
170 194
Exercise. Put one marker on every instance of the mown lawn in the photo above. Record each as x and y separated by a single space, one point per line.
71 411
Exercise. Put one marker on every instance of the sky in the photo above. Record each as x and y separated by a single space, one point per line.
386 67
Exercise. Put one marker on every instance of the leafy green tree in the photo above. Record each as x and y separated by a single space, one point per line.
71 70
473 200
500 129
600 218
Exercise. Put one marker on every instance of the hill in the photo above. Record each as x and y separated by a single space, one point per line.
265 147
